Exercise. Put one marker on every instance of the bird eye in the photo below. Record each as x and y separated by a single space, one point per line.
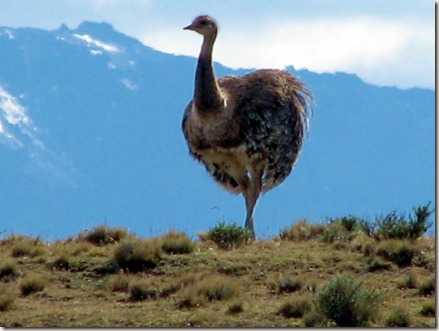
203 22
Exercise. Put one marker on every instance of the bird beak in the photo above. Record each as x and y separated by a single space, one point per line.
189 27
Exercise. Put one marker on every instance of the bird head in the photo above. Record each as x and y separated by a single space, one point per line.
204 25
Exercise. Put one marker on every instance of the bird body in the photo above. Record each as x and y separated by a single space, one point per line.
248 130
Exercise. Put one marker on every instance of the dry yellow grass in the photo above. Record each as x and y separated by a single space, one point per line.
89 291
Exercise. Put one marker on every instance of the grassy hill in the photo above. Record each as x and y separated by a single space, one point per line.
341 273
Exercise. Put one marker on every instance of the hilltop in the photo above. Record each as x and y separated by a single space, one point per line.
343 273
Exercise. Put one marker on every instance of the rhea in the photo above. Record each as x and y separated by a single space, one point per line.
247 131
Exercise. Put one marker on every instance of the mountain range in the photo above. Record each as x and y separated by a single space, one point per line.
90 133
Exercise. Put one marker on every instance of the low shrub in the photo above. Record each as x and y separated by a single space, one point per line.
398 226
102 235
295 309
137 255
32 283
400 252
302 231
177 243
229 236
344 302
399 318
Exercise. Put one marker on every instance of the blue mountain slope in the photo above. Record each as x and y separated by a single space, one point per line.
90 133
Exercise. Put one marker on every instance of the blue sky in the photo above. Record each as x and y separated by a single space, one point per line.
385 42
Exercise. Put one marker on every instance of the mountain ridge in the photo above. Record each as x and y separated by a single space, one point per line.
107 112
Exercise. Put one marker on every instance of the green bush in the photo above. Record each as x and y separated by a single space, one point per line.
344 302
399 318
229 236
295 309
102 235
137 255
177 243
394 226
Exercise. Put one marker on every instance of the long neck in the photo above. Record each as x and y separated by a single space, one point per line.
207 96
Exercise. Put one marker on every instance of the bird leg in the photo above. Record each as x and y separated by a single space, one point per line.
251 195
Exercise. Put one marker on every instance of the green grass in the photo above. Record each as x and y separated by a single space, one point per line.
159 282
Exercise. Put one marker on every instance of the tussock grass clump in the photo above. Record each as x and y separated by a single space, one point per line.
378 264
32 283
410 282
286 284
398 317
137 255
102 235
143 290
345 303
302 231
314 319
61 263
8 270
401 252
364 244
296 308
428 287
189 300
341 229
229 236
177 243
27 247
7 298
120 283
217 288
235 308
428 309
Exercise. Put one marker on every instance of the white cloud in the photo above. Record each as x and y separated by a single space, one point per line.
380 51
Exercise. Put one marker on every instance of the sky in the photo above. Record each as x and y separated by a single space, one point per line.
384 42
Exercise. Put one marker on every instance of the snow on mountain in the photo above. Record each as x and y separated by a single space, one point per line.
90 132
